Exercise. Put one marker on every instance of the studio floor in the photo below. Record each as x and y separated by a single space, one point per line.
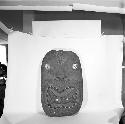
87 117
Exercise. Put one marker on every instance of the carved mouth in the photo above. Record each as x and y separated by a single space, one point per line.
62 98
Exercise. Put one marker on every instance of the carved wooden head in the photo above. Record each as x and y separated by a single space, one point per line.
61 83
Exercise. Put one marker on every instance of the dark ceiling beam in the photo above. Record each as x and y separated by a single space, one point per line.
28 17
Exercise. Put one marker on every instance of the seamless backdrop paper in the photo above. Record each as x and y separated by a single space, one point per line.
101 60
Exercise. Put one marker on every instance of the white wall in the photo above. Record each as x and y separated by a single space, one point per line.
3 54
101 59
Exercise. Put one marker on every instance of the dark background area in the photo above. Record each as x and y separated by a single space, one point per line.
111 23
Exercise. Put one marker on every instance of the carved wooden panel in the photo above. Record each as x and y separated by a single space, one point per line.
61 83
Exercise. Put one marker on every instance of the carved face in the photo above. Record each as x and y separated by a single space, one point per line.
61 83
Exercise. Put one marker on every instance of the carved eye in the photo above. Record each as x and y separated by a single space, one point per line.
47 66
75 66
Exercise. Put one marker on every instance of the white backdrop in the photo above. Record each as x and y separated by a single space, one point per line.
67 28
101 59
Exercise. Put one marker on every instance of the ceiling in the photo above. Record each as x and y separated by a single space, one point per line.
108 3
110 6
